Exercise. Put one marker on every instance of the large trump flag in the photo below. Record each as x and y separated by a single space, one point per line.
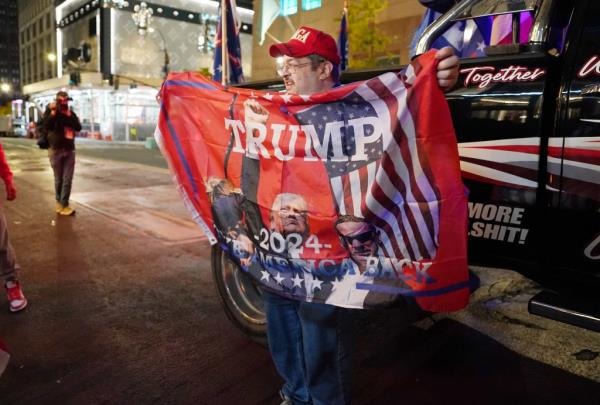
351 197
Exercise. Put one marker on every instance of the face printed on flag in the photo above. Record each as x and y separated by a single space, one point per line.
359 237
351 197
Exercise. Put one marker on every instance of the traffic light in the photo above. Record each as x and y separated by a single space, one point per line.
86 52
75 56
74 78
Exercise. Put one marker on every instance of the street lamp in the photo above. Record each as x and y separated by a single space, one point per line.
5 87
142 17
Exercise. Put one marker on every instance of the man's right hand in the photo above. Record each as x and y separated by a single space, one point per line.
255 112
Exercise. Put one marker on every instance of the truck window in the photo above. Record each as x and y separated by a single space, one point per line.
486 23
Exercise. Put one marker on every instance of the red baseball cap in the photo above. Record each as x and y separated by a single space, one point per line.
307 41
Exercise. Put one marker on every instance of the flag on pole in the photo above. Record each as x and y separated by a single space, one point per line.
343 41
474 43
389 219
269 10
232 66
453 36
468 38
501 32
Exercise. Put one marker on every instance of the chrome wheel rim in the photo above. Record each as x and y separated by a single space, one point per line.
243 292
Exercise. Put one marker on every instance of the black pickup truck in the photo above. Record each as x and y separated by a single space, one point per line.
527 119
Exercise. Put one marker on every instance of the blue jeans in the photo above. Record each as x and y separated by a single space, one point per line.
310 344
63 166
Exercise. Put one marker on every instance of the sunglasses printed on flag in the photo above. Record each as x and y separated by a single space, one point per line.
351 197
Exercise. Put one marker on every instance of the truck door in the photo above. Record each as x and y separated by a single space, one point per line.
497 114
574 154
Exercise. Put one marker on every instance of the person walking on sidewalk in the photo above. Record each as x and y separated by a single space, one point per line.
8 263
61 126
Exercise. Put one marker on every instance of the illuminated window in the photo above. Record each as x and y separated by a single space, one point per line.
288 7
310 4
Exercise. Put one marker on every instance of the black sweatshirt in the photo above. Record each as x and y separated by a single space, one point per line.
56 124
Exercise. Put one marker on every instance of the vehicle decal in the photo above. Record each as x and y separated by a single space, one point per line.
497 222
483 76
501 162
592 66
573 164
592 251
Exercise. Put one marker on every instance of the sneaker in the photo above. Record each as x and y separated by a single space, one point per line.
67 211
58 207
16 298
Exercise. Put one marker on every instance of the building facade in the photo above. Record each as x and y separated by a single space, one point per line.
9 49
37 40
114 88
398 22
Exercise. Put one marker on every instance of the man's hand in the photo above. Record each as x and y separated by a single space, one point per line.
255 112
447 69
11 191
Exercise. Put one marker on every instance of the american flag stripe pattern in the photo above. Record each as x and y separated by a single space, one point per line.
397 195
573 163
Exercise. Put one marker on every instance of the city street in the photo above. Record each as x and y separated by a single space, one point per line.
123 310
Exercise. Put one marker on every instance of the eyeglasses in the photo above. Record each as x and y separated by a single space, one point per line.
290 67
288 211
364 237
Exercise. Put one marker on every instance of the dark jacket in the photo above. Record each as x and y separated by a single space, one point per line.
57 126
40 124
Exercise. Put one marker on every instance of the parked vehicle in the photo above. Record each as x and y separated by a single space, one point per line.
527 119
5 126
19 126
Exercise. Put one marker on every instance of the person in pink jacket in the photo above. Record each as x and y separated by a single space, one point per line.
8 262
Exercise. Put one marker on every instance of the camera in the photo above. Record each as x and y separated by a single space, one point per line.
62 105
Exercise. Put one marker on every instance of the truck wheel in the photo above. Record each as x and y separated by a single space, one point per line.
240 296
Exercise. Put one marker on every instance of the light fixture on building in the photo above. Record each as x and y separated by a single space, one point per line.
5 87
142 17
51 57
115 3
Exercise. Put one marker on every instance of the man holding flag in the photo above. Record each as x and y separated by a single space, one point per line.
310 342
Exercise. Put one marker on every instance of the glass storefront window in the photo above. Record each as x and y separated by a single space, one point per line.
310 4
288 7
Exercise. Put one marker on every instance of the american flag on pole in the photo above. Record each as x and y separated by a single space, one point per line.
351 197
342 42
234 51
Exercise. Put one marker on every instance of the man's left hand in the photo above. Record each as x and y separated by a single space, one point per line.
447 69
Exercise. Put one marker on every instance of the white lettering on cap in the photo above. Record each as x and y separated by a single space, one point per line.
301 35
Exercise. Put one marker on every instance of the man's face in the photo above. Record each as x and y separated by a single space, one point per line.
360 238
300 78
63 103
292 218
